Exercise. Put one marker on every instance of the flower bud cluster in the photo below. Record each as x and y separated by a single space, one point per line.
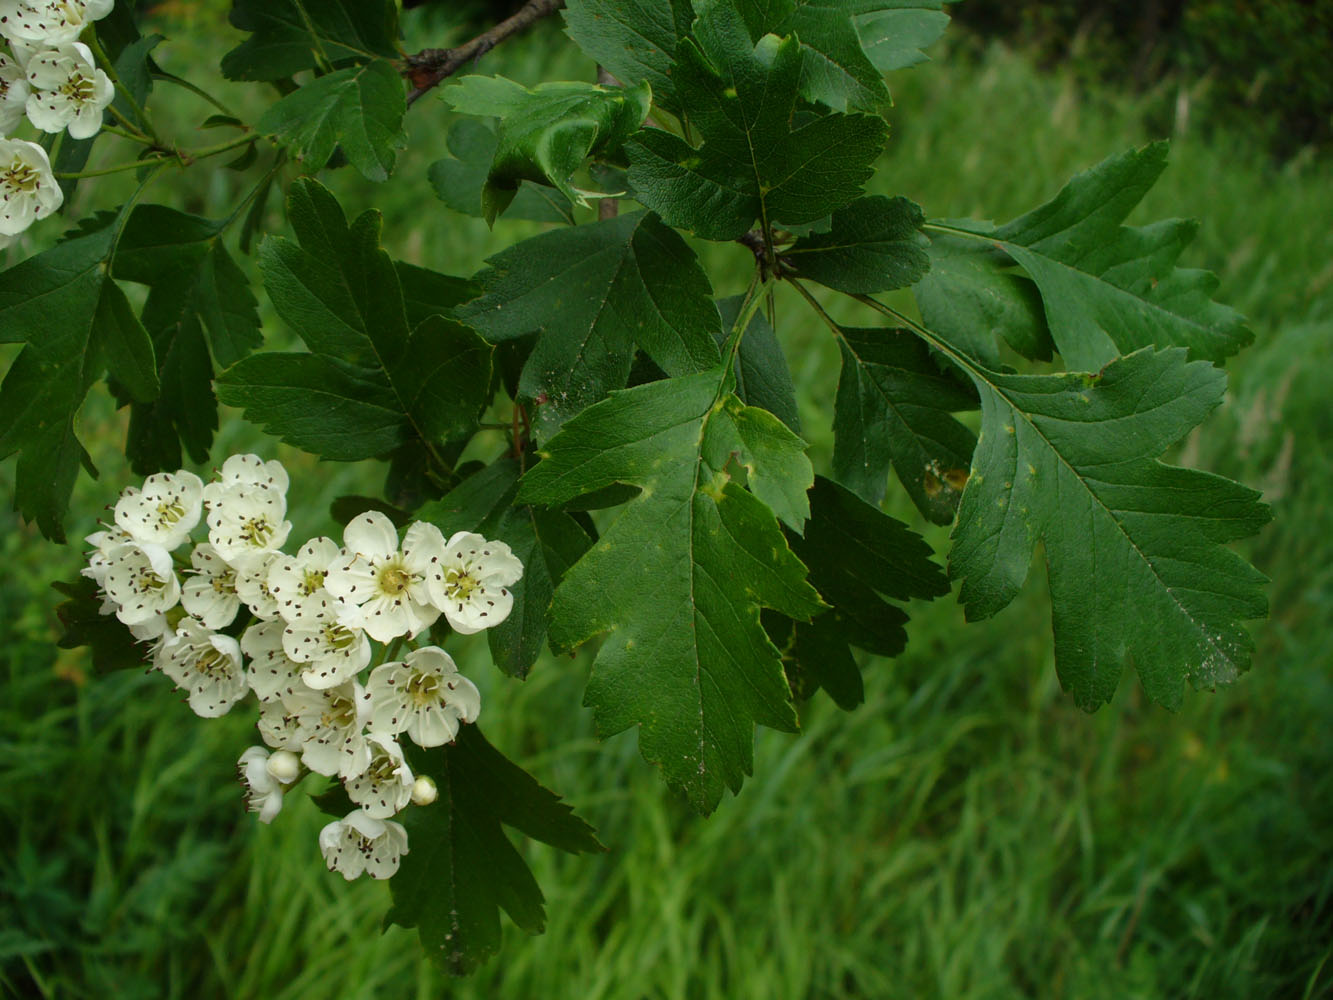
241 616
50 78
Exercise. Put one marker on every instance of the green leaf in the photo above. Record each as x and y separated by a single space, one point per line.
547 542
894 408
369 383
74 323
894 32
858 557
358 110
199 308
134 68
973 294
762 376
847 45
874 245
288 36
547 132
594 291
320 404
635 40
755 161
461 869
430 293
676 583
458 180
110 643
1109 289
1134 548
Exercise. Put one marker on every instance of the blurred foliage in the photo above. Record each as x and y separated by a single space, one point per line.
1260 67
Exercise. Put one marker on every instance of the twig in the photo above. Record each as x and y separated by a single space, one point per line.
607 207
425 69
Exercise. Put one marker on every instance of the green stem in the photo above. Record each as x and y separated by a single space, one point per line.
90 38
829 321
391 654
197 91
119 168
925 333
749 306
184 157
189 155
955 231
132 131
254 191
135 136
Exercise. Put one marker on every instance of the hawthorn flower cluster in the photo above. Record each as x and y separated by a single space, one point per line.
240 616
50 78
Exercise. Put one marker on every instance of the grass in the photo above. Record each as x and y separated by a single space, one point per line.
967 833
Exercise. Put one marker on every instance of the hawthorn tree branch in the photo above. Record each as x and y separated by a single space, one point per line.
427 68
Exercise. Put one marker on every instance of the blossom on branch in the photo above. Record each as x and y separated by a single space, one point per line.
68 91
28 188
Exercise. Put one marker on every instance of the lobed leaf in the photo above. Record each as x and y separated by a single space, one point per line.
635 40
875 244
676 583
288 36
461 869
593 292
458 180
756 161
370 382
74 323
894 408
199 309
859 559
1108 289
545 133
358 110
1138 570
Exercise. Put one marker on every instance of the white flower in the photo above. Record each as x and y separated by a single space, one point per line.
424 790
248 470
152 630
50 22
385 786
245 520
423 694
279 726
142 582
13 94
360 843
383 590
297 582
285 766
68 90
207 664
28 188
332 652
99 559
263 792
332 723
252 583
469 583
164 511
210 594
271 672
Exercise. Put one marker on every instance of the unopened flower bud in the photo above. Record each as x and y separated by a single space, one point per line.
284 766
424 791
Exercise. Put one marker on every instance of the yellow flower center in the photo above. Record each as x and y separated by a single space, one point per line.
423 689
21 178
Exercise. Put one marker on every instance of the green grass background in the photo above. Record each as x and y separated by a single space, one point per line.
966 833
